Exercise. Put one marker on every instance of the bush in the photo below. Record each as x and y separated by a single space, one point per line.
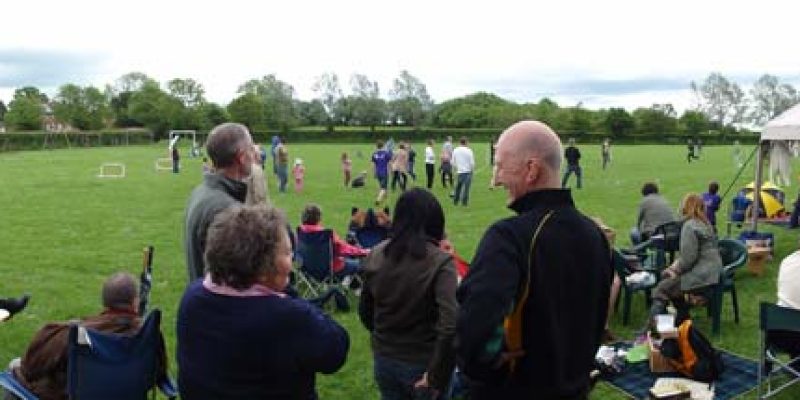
51 140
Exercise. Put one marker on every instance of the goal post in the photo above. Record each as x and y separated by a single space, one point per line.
112 170
176 135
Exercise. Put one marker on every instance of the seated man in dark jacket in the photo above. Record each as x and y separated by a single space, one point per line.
43 368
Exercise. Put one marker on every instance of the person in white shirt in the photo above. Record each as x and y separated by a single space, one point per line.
430 163
788 296
464 163
447 147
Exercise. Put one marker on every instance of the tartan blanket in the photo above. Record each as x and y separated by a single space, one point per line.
740 376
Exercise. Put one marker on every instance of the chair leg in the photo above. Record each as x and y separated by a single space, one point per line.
716 309
735 304
626 308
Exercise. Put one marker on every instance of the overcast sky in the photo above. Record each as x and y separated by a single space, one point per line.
602 53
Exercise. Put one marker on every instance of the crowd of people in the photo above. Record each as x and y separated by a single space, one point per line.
525 321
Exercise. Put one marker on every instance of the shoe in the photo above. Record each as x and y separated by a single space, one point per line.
346 280
14 306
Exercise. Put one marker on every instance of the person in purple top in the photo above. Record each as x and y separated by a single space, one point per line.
712 201
381 160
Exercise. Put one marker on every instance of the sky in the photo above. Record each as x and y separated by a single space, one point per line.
609 53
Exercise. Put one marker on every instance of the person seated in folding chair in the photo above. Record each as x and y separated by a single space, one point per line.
43 368
367 227
346 257
698 266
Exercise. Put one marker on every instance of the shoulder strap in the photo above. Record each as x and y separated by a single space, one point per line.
513 322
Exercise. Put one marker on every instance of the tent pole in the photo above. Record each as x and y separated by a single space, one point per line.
762 149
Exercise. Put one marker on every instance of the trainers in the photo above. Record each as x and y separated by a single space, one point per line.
346 280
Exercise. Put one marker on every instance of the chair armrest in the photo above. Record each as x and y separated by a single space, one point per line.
10 384
167 387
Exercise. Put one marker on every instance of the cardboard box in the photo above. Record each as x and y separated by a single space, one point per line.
658 363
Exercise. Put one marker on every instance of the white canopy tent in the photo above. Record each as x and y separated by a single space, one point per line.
784 127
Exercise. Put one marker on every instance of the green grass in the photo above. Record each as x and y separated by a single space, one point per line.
63 230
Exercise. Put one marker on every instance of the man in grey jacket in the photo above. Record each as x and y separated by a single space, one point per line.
231 150
653 212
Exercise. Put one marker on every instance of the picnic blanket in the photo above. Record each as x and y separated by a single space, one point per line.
740 376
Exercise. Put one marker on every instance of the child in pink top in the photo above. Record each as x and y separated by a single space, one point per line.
299 173
347 166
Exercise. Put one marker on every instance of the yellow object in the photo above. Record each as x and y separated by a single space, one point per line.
512 324
771 205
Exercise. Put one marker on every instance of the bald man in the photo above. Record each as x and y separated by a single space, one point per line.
231 150
560 278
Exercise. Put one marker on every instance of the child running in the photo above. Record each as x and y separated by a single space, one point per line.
299 173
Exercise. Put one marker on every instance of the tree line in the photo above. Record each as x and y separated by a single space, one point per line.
268 103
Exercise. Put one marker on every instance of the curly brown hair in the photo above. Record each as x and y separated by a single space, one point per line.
693 207
242 243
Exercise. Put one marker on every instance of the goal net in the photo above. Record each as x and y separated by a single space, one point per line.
112 170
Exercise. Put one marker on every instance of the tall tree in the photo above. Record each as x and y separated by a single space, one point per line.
31 93
659 118
82 108
248 109
3 110
156 109
25 111
721 100
367 106
190 92
409 100
769 97
618 121
278 101
312 113
328 92
132 82
693 122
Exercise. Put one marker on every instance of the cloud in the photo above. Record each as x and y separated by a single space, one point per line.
47 68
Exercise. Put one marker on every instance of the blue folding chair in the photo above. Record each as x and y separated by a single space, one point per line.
315 260
110 366
370 237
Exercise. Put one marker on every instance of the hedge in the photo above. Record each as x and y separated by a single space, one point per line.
51 140
46 140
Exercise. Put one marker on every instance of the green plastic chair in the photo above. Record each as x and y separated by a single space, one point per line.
776 318
734 255
621 266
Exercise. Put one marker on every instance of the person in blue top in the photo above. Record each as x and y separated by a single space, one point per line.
381 159
239 335
712 200
275 142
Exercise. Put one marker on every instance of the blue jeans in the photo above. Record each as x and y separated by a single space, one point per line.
570 169
282 177
462 188
396 380
352 266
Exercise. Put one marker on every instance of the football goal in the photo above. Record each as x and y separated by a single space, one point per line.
175 136
163 164
112 170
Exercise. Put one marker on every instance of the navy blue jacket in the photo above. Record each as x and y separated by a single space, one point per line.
254 347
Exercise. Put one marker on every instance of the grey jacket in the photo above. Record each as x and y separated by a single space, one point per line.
653 211
699 263
215 194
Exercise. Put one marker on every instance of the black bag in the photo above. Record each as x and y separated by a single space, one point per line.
692 354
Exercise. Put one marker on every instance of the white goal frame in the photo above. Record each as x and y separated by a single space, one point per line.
175 135
163 164
107 169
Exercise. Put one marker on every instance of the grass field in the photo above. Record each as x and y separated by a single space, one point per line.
63 230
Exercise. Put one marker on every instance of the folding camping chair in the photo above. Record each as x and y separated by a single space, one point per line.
109 366
774 318
314 270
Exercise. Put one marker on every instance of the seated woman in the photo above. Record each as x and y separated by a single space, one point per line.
409 302
344 254
698 265
239 336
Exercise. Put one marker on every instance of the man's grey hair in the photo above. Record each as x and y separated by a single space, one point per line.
119 291
225 141
550 152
